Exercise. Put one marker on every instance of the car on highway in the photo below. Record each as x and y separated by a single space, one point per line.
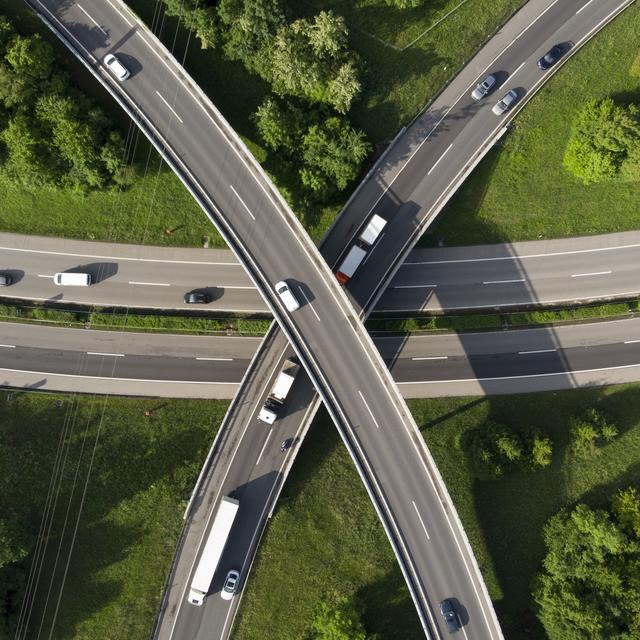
116 67
484 88
451 617
507 101
230 585
5 281
551 57
286 445
286 295
196 297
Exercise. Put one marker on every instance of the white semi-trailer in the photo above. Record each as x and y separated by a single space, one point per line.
358 251
213 550
276 398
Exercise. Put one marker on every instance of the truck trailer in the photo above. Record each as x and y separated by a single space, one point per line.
358 251
213 549
276 398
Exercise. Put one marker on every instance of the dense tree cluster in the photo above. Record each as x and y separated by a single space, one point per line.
307 59
604 143
590 431
590 583
405 4
494 449
325 151
50 134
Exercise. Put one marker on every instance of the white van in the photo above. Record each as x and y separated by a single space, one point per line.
72 279
287 296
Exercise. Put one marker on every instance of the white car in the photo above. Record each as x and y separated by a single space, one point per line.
484 88
230 584
116 67
509 99
286 295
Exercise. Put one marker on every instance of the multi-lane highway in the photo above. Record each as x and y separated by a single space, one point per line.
440 563
547 272
518 360
328 336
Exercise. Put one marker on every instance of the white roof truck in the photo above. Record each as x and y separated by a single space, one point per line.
276 398
358 251
213 549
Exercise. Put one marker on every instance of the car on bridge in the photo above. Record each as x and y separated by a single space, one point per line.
451 617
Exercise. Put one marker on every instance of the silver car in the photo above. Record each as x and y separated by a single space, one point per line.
230 584
116 67
484 88
509 99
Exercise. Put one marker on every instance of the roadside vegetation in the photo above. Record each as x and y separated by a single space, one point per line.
138 471
576 447
130 321
569 166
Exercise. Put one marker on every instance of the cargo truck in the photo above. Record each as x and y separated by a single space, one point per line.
213 549
276 398
358 251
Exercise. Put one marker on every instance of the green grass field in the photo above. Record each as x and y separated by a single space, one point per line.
521 191
325 539
138 484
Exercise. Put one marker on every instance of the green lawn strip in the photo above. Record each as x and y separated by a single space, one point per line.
324 541
470 322
141 476
503 518
521 191
134 321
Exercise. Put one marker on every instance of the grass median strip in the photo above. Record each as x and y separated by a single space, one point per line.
135 321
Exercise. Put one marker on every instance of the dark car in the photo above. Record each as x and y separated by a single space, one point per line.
451 618
286 445
196 297
551 57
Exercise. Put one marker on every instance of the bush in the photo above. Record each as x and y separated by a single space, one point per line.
590 432
604 138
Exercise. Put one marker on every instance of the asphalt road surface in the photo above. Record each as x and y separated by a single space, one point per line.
544 272
441 561
517 360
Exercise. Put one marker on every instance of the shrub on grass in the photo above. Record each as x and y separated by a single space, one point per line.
588 587
404 4
590 432
339 621
604 143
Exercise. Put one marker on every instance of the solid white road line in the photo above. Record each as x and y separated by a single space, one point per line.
304 295
98 353
440 158
524 353
415 286
426 533
369 410
86 13
150 284
169 107
264 446
217 359
518 257
43 275
237 195
583 7
121 14
504 281
509 78
431 358
8 346
594 273
631 341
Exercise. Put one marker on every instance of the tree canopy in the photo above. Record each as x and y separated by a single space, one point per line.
590 583
338 622
605 142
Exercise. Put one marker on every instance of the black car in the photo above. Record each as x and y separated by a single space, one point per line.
551 57
451 618
196 297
